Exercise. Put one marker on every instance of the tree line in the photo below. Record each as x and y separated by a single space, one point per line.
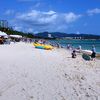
10 31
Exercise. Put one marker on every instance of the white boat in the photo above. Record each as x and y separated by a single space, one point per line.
89 52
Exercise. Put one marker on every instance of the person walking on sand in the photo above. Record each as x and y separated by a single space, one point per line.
93 55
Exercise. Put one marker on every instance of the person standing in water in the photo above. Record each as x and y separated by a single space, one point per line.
80 48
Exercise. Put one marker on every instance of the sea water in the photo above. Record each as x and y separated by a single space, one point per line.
85 44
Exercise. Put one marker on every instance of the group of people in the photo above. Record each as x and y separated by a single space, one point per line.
93 54
5 40
41 41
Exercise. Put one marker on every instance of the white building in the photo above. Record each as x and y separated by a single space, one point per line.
4 23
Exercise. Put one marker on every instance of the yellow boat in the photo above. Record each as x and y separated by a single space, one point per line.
48 47
43 46
37 44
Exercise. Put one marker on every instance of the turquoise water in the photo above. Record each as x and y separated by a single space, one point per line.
86 44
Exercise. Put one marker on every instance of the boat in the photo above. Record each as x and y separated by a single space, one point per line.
89 52
43 46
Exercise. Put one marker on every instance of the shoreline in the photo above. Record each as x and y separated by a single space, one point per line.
85 45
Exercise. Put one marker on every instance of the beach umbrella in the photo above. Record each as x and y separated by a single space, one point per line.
3 34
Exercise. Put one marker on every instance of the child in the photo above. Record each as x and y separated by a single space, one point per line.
74 54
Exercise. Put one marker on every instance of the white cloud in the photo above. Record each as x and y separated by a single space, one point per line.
70 17
93 11
46 21
38 17
50 12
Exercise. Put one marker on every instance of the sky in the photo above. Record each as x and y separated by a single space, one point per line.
69 16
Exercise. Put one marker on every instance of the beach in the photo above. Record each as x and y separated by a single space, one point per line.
27 73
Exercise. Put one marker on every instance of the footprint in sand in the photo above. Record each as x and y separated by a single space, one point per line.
6 86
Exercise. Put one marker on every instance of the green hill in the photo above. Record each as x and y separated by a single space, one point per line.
14 32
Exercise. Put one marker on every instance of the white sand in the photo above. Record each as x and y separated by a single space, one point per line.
27 73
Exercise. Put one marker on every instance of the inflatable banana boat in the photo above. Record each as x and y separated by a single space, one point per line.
43 46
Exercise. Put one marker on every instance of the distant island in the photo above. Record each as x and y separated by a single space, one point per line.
50 35
59 35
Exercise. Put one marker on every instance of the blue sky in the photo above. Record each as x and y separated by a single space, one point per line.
70 16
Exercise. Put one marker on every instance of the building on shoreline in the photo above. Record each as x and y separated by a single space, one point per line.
4 23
